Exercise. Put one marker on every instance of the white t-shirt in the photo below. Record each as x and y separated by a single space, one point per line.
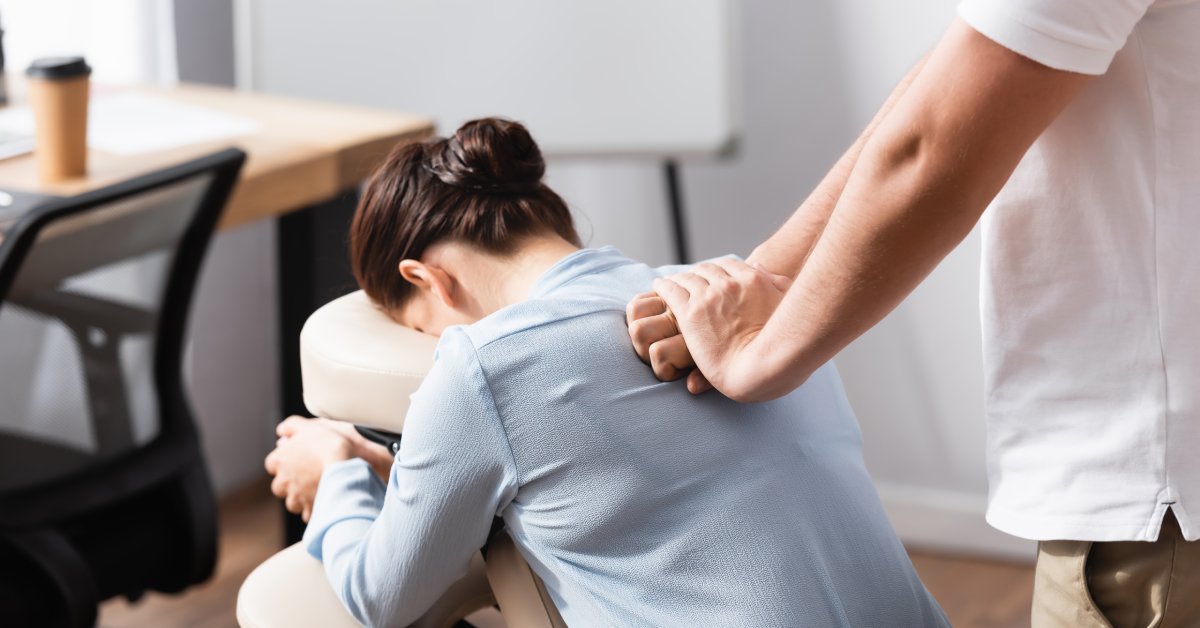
1091 278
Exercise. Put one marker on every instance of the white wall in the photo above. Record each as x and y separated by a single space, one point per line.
232 360
125 41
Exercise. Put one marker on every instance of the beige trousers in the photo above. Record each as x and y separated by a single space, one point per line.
1080 584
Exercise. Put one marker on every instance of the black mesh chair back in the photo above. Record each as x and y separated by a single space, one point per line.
103 491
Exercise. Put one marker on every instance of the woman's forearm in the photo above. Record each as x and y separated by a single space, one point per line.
784 252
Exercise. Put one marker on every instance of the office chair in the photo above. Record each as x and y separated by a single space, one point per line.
360 366
103 491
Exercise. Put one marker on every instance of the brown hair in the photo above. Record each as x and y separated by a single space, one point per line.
482 186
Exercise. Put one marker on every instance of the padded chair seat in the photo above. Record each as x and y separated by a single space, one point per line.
290 589
269 597
359 365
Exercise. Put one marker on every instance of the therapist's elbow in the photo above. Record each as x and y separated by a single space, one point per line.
905 151
928 164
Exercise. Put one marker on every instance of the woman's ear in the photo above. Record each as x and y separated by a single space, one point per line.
432 278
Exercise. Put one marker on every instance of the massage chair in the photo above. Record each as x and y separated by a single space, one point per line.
360 366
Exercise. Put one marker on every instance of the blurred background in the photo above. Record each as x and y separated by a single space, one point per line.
785 88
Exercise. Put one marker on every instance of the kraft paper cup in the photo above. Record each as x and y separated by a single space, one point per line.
58 95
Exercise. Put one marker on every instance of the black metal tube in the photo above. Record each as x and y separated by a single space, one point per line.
678 219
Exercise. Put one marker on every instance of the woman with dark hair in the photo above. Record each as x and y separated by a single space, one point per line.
635 502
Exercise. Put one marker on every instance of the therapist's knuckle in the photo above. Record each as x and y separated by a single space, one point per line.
659 352
650 329
662 353
637 329
682 359
640 308
663 370
641 346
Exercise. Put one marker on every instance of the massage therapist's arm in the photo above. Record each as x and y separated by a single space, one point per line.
390 551
785 252
919 185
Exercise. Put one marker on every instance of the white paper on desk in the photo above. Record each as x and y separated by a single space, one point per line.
132 124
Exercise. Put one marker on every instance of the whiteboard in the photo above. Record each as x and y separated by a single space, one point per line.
589 77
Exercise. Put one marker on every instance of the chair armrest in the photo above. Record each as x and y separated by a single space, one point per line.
81 311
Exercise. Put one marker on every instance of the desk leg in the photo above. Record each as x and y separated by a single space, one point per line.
313 269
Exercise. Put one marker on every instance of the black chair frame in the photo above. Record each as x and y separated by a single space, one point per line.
68 502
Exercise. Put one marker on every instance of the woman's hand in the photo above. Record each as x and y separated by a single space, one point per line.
719 307
305 447
379 457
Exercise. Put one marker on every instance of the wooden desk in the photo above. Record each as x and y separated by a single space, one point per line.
299 166
306 153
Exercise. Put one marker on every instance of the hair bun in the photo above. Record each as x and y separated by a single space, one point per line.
490 155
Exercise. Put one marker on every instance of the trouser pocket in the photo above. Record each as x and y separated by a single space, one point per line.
1147 584
1061 598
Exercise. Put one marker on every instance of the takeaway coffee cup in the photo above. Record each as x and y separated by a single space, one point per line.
58 94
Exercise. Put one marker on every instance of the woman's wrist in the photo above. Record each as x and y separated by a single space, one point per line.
340 452
379 457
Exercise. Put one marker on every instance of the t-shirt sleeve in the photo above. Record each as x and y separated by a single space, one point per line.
390 550
1073 35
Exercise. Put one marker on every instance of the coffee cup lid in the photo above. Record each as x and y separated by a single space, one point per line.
58 68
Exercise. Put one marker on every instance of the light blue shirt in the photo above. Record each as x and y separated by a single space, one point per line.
637 503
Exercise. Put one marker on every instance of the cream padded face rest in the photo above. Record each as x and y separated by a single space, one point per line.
359 365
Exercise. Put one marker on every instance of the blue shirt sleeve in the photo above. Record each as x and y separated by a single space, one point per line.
390 552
